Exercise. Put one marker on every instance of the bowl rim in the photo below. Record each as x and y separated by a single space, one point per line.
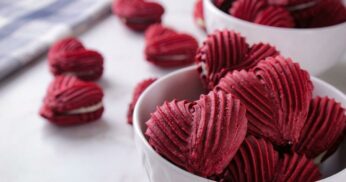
144 141
211 6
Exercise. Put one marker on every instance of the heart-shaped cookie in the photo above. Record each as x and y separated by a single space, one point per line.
323 129
320 13
221 50
276 17
277 94
70 101
291 87
330 12
257 160
256 53
69 57
141 86
225 51
138 14
260 106
247 9
297 168
157 30
167 48
201 136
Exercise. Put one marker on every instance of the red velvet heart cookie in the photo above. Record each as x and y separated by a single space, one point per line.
276 94
157 30
168 130
202 136
167 48
70 101
139 89
297 168
320 13
259 12
225 51
138 14
286 13
275 16
69 57
330 12
261 108
247 9
221 50
257 160
324 128
291 87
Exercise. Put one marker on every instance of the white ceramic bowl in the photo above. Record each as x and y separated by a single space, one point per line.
185 84
316 49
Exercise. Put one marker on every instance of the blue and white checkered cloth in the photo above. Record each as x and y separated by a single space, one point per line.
29 27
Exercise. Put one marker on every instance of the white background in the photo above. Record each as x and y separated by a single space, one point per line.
32 150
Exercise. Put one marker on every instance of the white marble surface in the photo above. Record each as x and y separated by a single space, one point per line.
32 150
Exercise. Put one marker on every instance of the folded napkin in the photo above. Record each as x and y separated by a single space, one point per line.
29 27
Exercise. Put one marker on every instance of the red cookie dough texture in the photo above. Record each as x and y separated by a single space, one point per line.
276 17
257 53
225 51
277 94
138 15
198 14
291 88
257 160
288 13
139 89
201 136
290 2
70 101
168 48
298 168
69 57
247 9
212 59
259 12
323 130
157 30
322 13
261 108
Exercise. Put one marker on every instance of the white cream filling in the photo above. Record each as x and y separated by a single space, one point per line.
88 109
173 57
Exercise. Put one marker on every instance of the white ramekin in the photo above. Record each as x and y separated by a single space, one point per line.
316 49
